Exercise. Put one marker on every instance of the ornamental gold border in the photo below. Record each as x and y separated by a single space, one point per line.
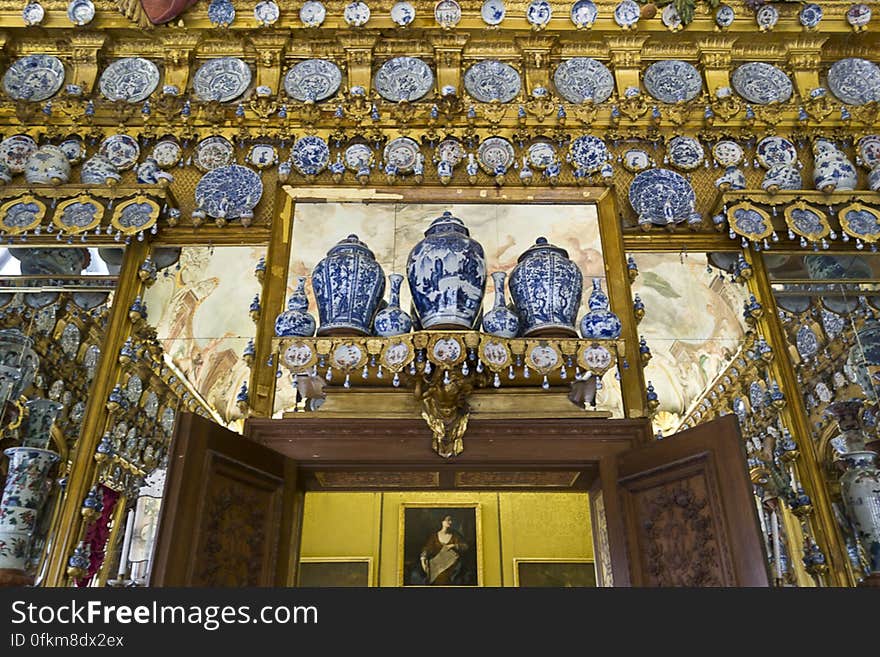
18 230
84 199
285 344
371 572
803 205
406 341
532 345
360 345
487 340
131 230
518 560
746 205
858 207
446 337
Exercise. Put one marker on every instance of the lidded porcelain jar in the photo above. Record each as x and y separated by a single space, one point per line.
600 323
47 166
296 320
546 288
446 272
500 321
348 285
832 170
391 320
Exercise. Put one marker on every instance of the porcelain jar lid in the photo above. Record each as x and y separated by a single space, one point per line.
351 244
446 223
541 246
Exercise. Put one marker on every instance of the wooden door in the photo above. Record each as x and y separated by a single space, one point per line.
231 511
688 512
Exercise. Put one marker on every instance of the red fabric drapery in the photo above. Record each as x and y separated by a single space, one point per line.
98 533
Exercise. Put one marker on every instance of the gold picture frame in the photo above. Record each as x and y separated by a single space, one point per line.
341 578
419 522
553 579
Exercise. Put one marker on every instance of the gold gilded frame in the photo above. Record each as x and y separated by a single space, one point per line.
518 560
401 536
371 571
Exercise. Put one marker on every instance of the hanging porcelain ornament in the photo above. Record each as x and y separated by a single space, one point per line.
33 13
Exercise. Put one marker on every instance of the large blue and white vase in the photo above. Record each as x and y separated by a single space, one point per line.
600 323
296 320
501 320
348 285
446 272
546 288
860 490
391 320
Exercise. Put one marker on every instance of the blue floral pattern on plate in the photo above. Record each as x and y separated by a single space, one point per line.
662 196
403 78
673 81
761 83
310 155
34 78
583 78
854 81
229 192
490 80
313 80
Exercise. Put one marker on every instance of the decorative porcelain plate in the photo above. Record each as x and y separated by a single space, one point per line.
869 150
589 153
761 83
221 13
81 12
495 153
262 156
33 13
167 153
542 154
582 78
404 78
229 192
767 17
858 15
662 196
313 79
356 13
671 18
15 151
727 153
312 14
34 78
267 12
673 81
539 13
583 13
74 150
724 16
854 81
447 13
775 151
450 150
222 79
810 16
685 153
310 155
627 13
358 157
122 151
213 152
402 153
492 12
636 160
403 13
132 79
490 80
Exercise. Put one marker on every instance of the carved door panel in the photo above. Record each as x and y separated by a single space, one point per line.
688 511
231 511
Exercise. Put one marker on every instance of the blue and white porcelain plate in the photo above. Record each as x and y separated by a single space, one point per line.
74 149
167 153
403 13
673 81
450 150
775 151
357 157
490 80
34 78
222 79
636 160
727 153
583 78
213 153
588 153
495 154
123 151
402 153
542 154
539 13
33 13
221 13
310 155
869 150
15 152
858 15
854 81
724 16
761 83
492 12
583 13
662 196
767 17
229 192
811 15
81 12
627 13
313 79
671 18
312 13
356 14
262 156
685 153
403 78
447 13
267 12
131 79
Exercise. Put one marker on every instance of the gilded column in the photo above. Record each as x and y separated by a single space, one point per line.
804 58
84 47
447 59
270 48
178 49
536 59
626 59
359 57
715 57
